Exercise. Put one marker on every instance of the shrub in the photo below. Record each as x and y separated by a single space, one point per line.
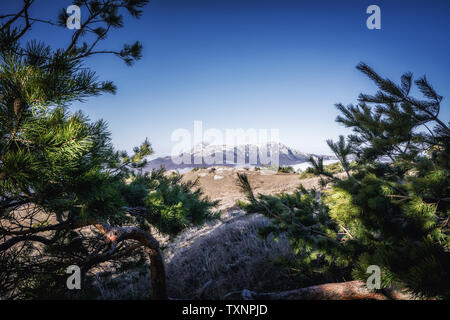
393 214
286 169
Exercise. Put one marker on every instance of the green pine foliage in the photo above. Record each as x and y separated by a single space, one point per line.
59 172
173 204
286 169
391 210
332 169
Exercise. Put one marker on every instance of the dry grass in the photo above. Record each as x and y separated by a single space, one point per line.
226 190
211 261
222 256
206 263
132 285
216 259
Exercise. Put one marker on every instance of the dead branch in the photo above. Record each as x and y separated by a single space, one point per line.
118 234
11 242
113 234
351 290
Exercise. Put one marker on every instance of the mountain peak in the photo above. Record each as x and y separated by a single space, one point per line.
208 155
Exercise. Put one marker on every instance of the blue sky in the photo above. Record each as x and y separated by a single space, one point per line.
257 64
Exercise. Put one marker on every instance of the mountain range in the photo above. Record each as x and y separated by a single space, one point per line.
245 155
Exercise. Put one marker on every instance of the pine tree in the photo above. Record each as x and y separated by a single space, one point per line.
66 196
391 211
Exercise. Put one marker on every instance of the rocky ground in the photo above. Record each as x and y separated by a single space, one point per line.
219 183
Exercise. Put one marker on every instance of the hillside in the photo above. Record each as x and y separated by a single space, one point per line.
219 183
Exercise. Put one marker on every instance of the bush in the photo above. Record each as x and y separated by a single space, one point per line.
333 168
286 169
390 214
173 205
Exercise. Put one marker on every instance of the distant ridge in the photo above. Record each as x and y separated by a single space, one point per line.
287 156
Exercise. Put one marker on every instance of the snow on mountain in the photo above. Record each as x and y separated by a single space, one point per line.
247 155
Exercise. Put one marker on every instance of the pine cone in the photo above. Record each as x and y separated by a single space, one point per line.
2 175
18 106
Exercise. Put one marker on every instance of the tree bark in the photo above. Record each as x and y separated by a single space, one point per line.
158 275
113 234
351 290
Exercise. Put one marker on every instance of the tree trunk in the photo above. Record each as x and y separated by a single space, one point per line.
351 290
158 274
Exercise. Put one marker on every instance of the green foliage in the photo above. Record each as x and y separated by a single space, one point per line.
60 174
307 174
286 169
391 210
173 204
313 236
342 151
330 169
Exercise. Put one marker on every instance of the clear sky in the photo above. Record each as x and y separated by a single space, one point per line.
257 64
